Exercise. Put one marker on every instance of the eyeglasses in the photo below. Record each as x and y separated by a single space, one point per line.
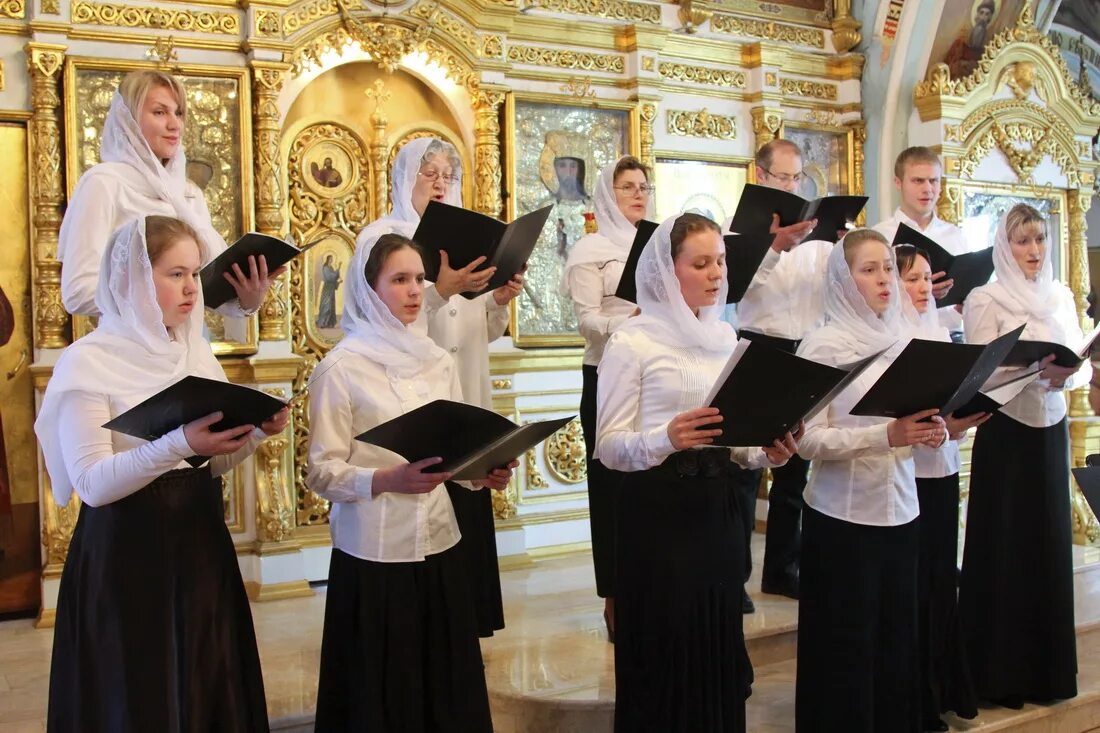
631 189
785 177
433 175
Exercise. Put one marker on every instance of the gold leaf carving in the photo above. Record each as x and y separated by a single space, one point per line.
615 9
137 16
566 59
770 30
13 9
274 507
535 479
487 198
268 23
565 454
306 14
702 75
805 88
701 124
766 125
53 7
647 115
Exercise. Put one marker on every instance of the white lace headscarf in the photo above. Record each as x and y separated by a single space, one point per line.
853 331
665 315
131 353
372 330
403 218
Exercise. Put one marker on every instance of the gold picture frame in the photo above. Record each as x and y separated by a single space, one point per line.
220 108
828 158
708 184
543 134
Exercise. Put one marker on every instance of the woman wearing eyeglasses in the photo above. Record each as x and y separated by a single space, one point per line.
431 170
591 277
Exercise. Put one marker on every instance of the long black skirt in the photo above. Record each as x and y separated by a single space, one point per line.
478 551
857 628
603 488
1016 589
946 683
154 632
680 659
400 652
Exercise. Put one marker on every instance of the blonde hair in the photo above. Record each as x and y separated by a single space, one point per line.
855 238
136 85
1022 215
161 232
915 156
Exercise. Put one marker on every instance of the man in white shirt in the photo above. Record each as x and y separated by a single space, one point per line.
918 175
782 304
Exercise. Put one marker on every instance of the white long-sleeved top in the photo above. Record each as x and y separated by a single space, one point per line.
1039 405
102 202
786 296
465 328
354 395
105 466
943 233
945 460
643 385
855 475
592 287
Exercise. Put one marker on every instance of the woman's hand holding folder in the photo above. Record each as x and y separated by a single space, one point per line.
207 443
408 478
686 430
924 427
1056 374
252 288
957 426
498 479
464 280
784 449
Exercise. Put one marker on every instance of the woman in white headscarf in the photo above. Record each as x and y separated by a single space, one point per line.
680 659
426 170
945 676
857 612
400 648
153 628
143 172
1016 588
591 278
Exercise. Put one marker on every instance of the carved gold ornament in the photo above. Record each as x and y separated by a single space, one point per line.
805 88
826 117
386 42
535 479
634 12
163 52
736 25
565 453
53 7
267 82
1020 78
579 88
691 16
767 123
846 34
701 124
648 63
13 9
647 115
274 506
269 23
702 75
487 104
456 29
140 16
567 59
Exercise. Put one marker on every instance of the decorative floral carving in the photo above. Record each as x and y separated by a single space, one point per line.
701 124
16 9
702 75
487 103
614 9
566 59
805 88
647 115
140 16
766 124
267 82
535 479
736 25
274 507
565 454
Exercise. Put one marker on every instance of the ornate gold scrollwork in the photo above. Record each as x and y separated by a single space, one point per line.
535 479
1023 144
767 124
702 75
269 23
691 17
806 88
13 9
615 9
647 116
701 124
274 505
846 34
565 454
379 154
949 206
736 25
579 88
859 140
53 7
567 59
487 103
140 16
44 64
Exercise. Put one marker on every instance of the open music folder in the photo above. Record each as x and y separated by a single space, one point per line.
1028 352
627 288
759 203
466 235
471 440
764 392
970 270
216 290
934 374
744 253
1000 390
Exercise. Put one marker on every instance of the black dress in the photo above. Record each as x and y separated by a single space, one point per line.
603 488
154 631
1016 589
478 551
680 659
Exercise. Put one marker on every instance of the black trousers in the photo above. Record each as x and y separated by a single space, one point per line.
603 488
857 628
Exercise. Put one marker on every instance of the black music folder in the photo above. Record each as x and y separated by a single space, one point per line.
191 398
970 270
472 441
744 253
627 288
934 374
466 235
1088 478
998 392
1029 352
758 203
216 291
764 392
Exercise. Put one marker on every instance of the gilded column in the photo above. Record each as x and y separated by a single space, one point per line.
379 148
647 115
846 34
267 81
859 159
1086 530
44 63
487 199
274 505
767 125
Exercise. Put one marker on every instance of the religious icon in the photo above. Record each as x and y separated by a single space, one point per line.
326 175
964 53
330 282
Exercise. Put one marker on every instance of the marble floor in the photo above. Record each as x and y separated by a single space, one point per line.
552 668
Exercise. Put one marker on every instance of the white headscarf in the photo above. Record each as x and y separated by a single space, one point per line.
130 353
372 330
1030 300
403 218
665 316
921 325
852 331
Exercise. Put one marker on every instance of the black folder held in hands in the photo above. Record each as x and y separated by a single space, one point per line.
759 203
969 271
216 290
191 398
998 392
466 235
627 288
764 392
472 441
934 374
1029 352
744 253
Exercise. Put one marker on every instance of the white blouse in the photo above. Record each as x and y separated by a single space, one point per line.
643 385
592 287
102 202
1039 405
786 297
354 395
105 466
855 475
465 328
